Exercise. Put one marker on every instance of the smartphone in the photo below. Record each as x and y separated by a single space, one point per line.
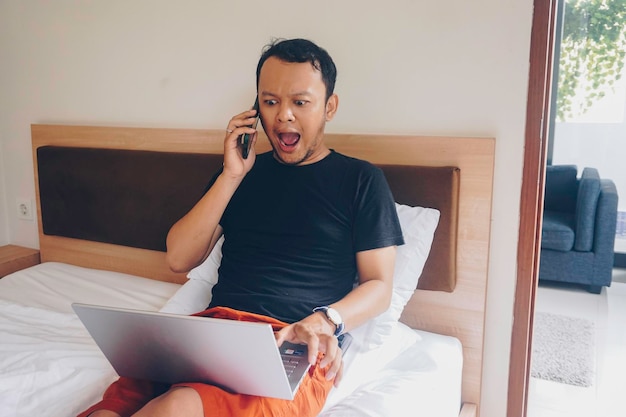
245 140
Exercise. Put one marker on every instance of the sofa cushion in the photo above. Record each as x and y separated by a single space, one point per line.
586 203
557 231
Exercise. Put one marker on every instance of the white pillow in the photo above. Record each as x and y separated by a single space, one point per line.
191 298
196 294
207 270
418 227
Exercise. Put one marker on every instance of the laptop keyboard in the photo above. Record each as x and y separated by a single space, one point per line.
291 358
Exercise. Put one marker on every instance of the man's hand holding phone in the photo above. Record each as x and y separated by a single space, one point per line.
239 141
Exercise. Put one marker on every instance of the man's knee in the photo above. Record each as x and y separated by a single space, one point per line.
178 401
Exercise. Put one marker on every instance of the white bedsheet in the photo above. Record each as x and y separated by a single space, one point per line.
49 365
423 380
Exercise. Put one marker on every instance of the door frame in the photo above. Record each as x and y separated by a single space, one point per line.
531 202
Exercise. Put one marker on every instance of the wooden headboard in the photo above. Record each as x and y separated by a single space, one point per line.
461 253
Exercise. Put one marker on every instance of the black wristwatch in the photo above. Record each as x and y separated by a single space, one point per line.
333 316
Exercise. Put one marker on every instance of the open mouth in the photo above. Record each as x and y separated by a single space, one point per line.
288 140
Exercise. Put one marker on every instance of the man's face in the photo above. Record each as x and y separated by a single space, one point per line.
294 110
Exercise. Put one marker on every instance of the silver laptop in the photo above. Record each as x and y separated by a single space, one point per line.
237 356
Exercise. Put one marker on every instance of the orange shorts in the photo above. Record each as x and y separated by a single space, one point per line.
127 396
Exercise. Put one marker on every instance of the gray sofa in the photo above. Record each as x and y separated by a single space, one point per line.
578 232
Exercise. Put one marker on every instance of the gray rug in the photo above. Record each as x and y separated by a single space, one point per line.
563 349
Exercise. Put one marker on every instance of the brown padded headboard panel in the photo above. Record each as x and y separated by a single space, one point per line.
132 198
434 187
123 197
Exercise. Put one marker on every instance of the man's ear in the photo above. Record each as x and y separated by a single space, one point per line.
331 107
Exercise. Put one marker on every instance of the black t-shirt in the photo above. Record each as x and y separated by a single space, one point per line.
292 234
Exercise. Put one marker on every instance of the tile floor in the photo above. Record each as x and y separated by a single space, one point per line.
605 398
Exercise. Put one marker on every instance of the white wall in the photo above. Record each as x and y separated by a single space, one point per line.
4 216
432 68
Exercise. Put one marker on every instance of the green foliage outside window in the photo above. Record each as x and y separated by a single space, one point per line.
593 48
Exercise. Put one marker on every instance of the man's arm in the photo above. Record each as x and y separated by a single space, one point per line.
373 295
192 238
371 298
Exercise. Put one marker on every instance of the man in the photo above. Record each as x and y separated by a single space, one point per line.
300 223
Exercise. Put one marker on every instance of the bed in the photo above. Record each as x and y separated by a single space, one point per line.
105 246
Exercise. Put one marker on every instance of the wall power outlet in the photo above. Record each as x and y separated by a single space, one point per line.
24 209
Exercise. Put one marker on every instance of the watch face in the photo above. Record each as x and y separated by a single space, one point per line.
333 315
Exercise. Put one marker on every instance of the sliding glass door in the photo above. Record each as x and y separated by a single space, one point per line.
588 126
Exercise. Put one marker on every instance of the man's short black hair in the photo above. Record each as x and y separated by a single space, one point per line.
299 51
